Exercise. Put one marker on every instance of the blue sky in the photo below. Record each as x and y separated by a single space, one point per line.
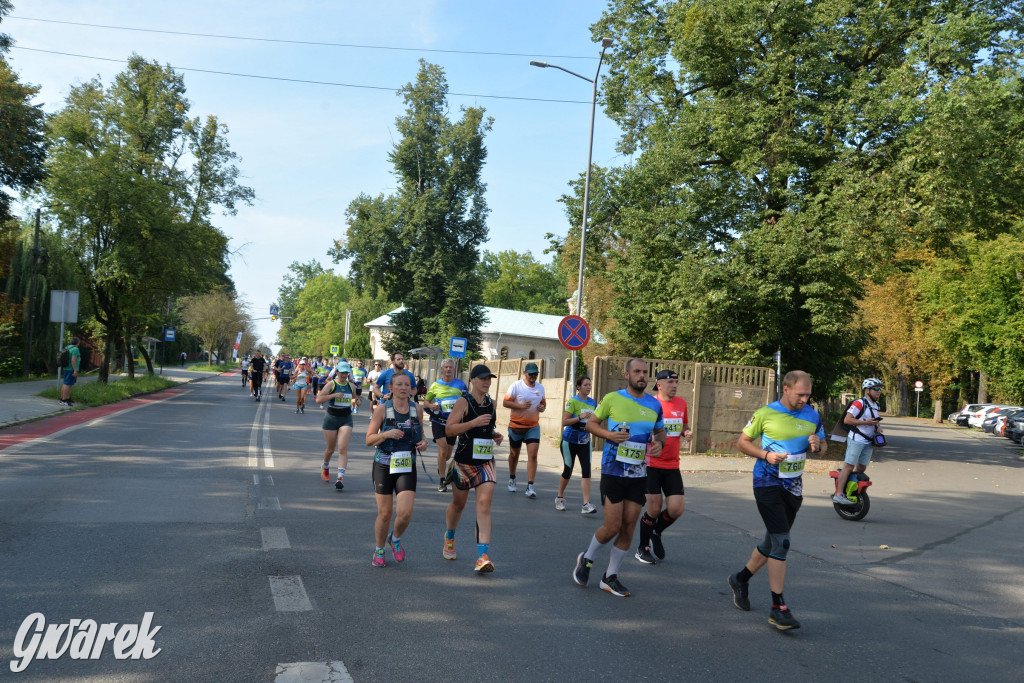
307 150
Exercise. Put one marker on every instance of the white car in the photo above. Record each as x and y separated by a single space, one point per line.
977 417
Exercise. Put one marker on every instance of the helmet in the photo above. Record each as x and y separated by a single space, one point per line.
871 383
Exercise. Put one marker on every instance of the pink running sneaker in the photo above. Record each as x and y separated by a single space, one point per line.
396 549
448 552
378 558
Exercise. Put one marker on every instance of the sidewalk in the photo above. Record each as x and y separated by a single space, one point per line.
19 403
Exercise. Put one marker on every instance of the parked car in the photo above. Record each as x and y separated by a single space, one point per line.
965 413
951 418
990 425
977 417
1005 422
1017 429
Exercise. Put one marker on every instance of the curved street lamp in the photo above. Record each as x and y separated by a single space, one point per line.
605 44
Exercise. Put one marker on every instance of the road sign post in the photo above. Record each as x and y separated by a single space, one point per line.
457 347
574 334
918 388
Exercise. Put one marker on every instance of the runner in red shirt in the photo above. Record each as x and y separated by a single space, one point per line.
663 474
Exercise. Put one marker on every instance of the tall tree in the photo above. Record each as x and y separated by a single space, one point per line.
421 245
216 318
135 183
784 152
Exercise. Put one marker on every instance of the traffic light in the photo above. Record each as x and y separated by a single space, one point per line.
273 317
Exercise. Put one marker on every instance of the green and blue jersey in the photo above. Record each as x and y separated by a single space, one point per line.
642 415
444 394
783 431
577 432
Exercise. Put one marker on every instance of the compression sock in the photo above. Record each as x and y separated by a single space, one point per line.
615 561
482 548
646 527
664 522
744 575
595 545
778 600
449 534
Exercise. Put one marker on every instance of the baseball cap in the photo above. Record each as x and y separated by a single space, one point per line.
479 371
667 374
532 369
343 367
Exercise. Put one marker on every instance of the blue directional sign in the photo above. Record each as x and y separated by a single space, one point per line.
169 334
457 349
275 309
573 332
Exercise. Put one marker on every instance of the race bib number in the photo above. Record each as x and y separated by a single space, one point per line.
631 452
401 462
447 403
483 449
673 427
792 466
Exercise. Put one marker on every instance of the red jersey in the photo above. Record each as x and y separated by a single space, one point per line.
676 421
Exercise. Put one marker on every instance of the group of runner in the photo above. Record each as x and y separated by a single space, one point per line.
640 466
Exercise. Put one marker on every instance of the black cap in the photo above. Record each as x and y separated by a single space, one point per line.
667 374
481 371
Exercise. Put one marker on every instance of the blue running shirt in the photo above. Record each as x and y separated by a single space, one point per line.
783 431
643 415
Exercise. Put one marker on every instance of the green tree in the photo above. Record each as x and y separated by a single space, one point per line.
421 245
134 183
216 318
786 152
294 281
517 281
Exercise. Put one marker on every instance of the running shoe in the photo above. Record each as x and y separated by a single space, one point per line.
782 618
449 474
581 572
378 558
657 547
302 410
840 499
441 488
588 509
530 493
325 474
483 565
559 503
612 585
396 549
511 485
739 593
340 484
645 556
64 403
448 552
296 411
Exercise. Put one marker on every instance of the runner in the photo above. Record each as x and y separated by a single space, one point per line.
300 382
371 380
323 372
439 400
635 428
339 395
358 373
383 382
245 373
257 368
472 421
396 430
663 474
784 431
576 443
525 398
284 373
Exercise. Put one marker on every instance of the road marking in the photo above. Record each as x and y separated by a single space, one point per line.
289 594
268 455
271 503
267 479
312 672
275 538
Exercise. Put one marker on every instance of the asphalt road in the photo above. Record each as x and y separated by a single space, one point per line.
207 509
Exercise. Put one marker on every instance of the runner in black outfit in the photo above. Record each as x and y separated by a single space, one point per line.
256 368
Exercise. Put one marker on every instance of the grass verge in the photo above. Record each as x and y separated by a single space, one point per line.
97 394
213 368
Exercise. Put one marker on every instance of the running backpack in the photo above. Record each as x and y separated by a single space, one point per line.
65 359
840 432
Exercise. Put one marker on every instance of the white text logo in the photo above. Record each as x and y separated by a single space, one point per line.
81 639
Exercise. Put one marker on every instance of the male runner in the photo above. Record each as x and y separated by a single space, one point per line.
779 435
382 387
663 474
439 400
525 398
256 370
284 375
371 379
635 429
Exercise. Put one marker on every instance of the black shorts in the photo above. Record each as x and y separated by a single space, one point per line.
669 482
616 489
778 508
385 483
439 433
572 452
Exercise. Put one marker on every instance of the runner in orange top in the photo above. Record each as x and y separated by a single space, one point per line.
526 400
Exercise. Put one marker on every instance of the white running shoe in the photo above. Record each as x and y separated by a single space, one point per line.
511 485
588 509
530 493
559 503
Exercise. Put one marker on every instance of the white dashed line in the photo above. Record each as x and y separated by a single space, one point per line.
268 455
289 594
312 672
275 538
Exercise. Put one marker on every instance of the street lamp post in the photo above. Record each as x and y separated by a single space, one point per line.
605 44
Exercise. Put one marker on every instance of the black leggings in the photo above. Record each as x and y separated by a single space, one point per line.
570 453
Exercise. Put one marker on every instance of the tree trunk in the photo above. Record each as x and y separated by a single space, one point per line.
938 416
109 354
129 357
903 395
982 387
149 361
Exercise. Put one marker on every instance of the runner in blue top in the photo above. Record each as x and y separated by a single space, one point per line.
382 390
779 435
284 375
576 443
635 430
439 400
